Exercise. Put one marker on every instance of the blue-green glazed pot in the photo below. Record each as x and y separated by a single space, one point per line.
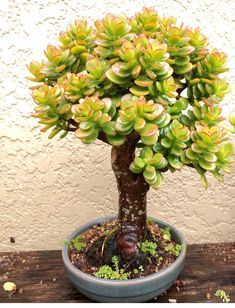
129 291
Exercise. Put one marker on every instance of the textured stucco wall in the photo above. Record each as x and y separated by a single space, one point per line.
47 189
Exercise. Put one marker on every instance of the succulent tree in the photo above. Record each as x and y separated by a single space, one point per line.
148 88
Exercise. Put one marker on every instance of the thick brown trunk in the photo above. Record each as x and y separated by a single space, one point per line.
132 189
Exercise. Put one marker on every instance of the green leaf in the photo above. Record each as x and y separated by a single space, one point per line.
143 81
103 52
210 157
134 168
80 133
218 176
139 124
109 129
149 140
139 162
54 132
62 109
185 159
149 134
136 71
149 173
138 91
190 154
166 143
158 148
196 148
91 138
225 151
183 69
86 125
146 152
114 78
176 150
116 140
204 181
181 60
76 50
206 165
149 130
158 181
175 162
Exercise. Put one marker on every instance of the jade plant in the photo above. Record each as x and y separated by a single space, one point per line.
148 88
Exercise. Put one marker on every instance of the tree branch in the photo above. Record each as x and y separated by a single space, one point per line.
72 122
180 90
103 138
71 129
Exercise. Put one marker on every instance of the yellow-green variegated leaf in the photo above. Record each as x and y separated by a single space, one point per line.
175 162
80 133
139 91
206 165
183 69
116 140
166 143
149 140
158 181
149 134
54 132
134 168
146 153
190 154
139 124
139 162
109 128
218 176
115 78
143 81
209 157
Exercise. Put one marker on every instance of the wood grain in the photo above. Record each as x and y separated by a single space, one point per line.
40 276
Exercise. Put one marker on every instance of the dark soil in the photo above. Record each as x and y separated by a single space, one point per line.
101 247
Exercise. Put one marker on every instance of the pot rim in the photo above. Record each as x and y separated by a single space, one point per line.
134 281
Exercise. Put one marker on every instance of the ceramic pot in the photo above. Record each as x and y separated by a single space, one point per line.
133 290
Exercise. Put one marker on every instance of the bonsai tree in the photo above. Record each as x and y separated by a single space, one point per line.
147 88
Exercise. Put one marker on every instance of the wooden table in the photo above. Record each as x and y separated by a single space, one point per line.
40 276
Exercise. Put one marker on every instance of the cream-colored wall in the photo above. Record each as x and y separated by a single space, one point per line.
47 189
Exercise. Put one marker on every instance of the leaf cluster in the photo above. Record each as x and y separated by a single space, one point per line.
76 243
112 273
149 247
174 249
143 74
223 295
166 234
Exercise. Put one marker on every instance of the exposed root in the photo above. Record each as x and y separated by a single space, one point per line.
106 239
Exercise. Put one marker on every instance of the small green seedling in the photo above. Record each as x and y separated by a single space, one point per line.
223 295
166 234
175 250
106 271
139 269
76 243
106 233
149 247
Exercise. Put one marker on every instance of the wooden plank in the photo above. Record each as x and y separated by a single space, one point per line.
40 276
